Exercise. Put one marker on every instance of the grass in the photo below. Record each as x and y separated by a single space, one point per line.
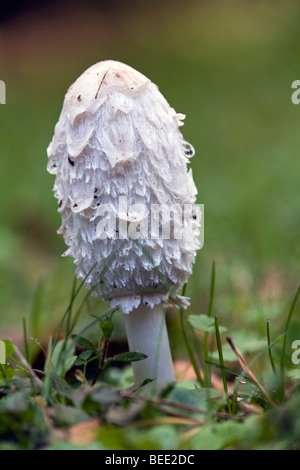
71 402
234 87
229 68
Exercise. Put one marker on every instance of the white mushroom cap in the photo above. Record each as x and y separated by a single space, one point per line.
118 137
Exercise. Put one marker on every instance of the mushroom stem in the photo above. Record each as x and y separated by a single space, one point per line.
147 333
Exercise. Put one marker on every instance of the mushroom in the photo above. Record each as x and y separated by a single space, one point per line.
123 184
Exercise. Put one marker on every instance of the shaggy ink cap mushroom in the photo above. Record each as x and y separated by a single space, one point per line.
119 158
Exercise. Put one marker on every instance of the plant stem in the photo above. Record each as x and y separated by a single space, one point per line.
147 333
102 361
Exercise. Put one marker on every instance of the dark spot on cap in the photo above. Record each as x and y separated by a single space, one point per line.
71 161
79 98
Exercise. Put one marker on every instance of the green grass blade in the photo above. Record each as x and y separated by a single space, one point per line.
36 310
269 348
221 359
184 326
212 290
287 326
65 315
230 371
26 344
69 316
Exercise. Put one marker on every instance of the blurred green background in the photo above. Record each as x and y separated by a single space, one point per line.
229 67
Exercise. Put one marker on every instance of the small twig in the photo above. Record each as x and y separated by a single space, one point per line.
249 372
